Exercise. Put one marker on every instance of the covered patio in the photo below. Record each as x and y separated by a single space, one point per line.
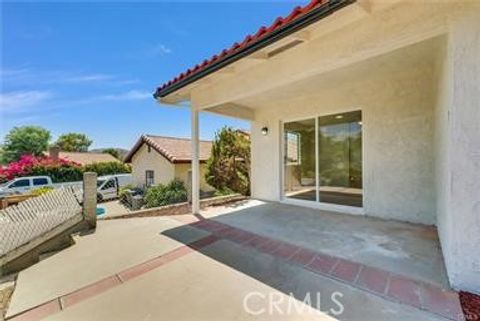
251 260
366 108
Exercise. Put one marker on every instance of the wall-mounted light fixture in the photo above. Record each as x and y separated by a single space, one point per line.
265 131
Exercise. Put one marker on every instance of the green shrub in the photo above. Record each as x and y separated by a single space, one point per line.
108 168
223 192
60 170
59 173
122 192
160 195
228 167
41 191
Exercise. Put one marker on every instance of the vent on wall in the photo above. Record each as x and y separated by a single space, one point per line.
285 47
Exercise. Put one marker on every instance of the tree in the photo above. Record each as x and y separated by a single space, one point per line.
228 168
25 140
112 151
73 142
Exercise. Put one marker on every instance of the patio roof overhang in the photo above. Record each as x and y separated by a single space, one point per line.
298 19
354 34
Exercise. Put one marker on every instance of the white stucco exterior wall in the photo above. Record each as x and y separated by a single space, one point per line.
457 151
397 112
164 171
182 173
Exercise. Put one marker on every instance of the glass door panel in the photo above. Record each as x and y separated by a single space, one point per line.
299 160
340 159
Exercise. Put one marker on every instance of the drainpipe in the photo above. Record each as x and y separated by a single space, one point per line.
195 163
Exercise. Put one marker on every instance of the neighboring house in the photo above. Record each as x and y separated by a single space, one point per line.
82 158
159 160
365 107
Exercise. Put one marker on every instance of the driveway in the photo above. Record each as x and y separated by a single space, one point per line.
183 268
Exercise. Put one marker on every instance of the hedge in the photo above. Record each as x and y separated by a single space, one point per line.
160 195
59 170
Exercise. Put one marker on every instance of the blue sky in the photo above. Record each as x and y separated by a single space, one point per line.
92 67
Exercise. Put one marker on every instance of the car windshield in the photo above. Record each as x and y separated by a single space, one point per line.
100 182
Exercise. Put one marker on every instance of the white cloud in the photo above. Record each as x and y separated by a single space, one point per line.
158 50
88 78
26 76
18 101
129 95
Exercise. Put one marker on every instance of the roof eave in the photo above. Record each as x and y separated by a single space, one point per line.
296 25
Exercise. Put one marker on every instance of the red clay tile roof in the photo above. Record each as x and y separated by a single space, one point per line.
85 158
250 40
176 150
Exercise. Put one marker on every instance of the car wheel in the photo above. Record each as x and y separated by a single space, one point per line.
99 197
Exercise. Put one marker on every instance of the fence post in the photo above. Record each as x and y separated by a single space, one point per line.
90 198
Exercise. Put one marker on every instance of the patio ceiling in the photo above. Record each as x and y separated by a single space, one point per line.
401 60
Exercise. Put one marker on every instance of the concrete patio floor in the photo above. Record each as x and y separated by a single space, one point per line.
176 268
114 246
408 249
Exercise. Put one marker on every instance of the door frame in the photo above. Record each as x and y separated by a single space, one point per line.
354 210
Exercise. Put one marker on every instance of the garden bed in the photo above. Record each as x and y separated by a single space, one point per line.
470 305
180 208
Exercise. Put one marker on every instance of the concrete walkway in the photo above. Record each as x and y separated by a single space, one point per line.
175 268
113 208
115 246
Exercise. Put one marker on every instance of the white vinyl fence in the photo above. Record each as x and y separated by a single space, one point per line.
29 219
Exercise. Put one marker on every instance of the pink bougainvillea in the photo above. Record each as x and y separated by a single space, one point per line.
25 165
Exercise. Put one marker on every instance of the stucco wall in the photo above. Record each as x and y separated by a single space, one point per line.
397 112
164 171
457 151
143 161
181 173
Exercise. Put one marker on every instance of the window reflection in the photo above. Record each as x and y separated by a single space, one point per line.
339 159
299 160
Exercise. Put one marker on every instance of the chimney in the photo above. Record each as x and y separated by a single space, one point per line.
54 151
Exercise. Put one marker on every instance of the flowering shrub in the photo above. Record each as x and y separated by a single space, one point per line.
60 170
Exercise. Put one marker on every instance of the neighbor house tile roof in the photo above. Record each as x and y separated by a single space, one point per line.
176 150
277 26
87 158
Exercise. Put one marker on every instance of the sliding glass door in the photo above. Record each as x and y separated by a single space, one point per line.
323 159
299 160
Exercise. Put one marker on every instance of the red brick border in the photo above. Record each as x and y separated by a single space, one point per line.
383 283
39 312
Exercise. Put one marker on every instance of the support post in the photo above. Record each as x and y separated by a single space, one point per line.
195 163
90 198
